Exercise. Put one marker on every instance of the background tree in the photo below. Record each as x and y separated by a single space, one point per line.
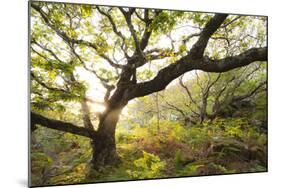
119 46
207 96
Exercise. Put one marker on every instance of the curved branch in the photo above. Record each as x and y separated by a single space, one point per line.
226 64
128 18
198 48
187 63
104 81
45 85
188 92
113 25
231 22
37 119
147 32
115 30
86 115
48 50
228 100
253 92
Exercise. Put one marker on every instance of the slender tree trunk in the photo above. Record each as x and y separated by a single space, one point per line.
203 109
158 114
104 147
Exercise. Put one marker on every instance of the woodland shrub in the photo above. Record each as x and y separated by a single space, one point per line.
148 166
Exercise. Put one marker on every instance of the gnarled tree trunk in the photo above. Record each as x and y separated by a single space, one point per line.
104 147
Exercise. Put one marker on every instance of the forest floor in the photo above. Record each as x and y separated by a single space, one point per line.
223 146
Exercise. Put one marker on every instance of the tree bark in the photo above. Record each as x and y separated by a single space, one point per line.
104 147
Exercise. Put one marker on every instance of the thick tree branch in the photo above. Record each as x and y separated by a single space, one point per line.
147 32
37 119
228 63
198 48
187 63
142 57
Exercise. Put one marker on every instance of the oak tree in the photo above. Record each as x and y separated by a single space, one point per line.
132 53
